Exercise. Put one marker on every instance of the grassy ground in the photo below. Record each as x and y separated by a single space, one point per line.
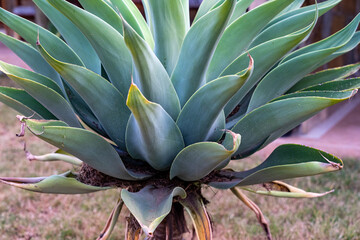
26 215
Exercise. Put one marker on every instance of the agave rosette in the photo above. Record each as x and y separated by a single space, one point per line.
167 105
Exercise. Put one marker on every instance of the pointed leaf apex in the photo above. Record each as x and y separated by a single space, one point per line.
135 95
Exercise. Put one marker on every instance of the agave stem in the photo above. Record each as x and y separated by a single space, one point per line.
250 204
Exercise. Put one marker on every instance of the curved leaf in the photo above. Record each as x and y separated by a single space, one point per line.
87 146
265 56
73 37
240 34
168 25
286 161
292 23
43 90
25 104
107 42
281 189
202 38
110 224
151 75
325 76
102 9
57 184
151 205
340 85
258 125
298 64
148 122
198 160
196 119
32 58
30 32
205 7
103 98
133 16
240 9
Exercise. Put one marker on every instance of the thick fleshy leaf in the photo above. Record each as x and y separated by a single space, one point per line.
30 32
240 34
25 104
150 121
168 25
102 9
338 39
133 16
286 161
339 85
32 58
280 115
281 189
205 7
323 5
57 184
259 215
195 207
240 9
325 76
198 116
103 98
107 42
73 37
151 205
199 159
265 56
44 90
202 38
294 6
292 23
110 224
151 76
99 153
298 64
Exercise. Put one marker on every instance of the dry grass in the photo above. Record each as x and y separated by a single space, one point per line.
26 215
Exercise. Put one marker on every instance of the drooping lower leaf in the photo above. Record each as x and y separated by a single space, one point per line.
110 224
87 146
286 161
25 104
57 184
151 205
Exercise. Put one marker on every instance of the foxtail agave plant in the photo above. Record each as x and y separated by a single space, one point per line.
159 107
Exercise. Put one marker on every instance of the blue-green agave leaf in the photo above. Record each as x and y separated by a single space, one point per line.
337 85
73 37
286 161
198 116
111 222
280 116
107 42
265 56
202 38
65 183
150 121
199 159
298 64
30 32
205 7
44 90
107 103
104 11
23 103
240 9
150 74
291 23
168 25
151 205
83 144
294 6
32 58
325 76
240 34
